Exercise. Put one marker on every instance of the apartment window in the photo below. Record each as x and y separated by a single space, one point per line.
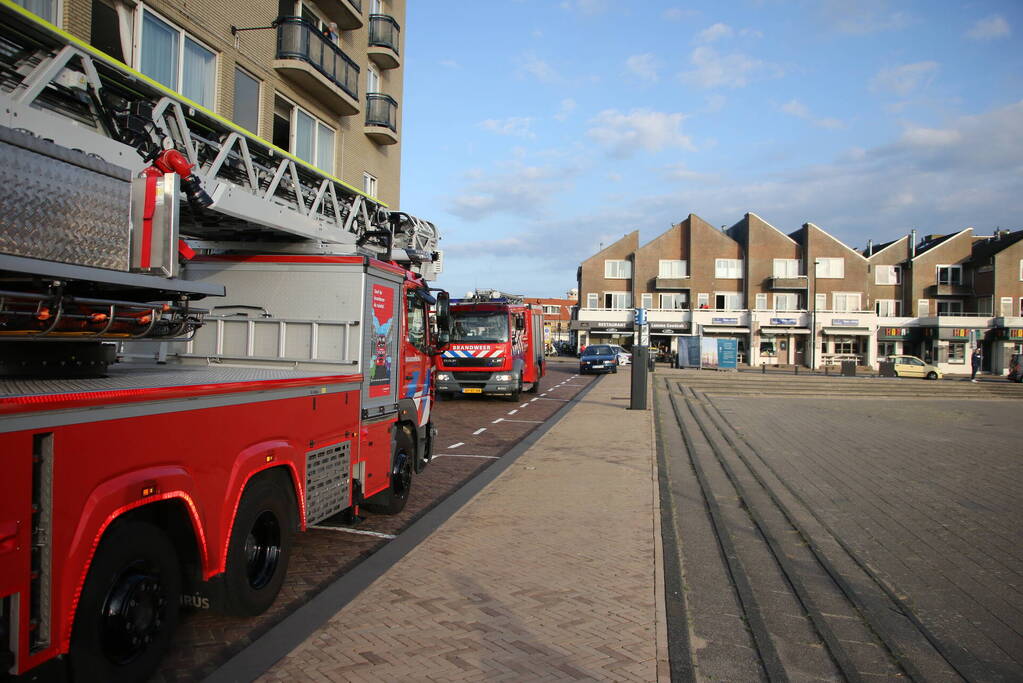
832 268
169 55
1006 306
552 310
369 184
889 307
957 353
950 275
985 305
728 268
47 9
246 100
668 268
617 270
786 302
923 307
1020 307
820 302
675 301
703 300
846 301
887 275
617 300
1021 269
786 267
105 30
646 300
302 134
728 301
592 300
952 307
761 304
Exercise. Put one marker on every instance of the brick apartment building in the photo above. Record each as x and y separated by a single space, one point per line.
321 79
557 318
806 298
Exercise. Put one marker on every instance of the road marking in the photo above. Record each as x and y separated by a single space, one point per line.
532 400
532 422
524 405
544 394
512 412
500 419
466 455
456 445
361 532
479 431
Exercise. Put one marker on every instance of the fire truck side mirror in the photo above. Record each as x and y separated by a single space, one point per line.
443 313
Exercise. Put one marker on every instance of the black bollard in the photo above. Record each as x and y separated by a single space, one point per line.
637 399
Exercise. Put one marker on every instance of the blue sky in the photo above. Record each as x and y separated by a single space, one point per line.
536 131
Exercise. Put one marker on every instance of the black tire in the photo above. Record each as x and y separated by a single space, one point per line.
260 546
932 375
129 606
614 370
392 500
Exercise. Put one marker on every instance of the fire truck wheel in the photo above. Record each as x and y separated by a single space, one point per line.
129 605
392 500
260 547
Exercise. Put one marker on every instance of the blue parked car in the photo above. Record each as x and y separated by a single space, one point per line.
598 358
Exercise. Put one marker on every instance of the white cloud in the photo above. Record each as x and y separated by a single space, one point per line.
714 103
712 69
990 28
681 172
518 126
516 189
532 66
902 80
715 32
565 109
801 111
643 66
622 135
862 16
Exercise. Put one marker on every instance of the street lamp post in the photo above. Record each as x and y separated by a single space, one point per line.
813 318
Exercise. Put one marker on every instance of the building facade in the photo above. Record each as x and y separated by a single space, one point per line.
557 319
806 298
321 79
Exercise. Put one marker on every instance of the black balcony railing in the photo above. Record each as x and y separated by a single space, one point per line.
298 38
383 31
381 110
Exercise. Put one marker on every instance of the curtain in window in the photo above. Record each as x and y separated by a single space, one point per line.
305 134
246 101
325 148
200 74
159 51
43 8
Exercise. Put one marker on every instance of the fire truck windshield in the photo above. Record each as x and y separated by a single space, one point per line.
479 327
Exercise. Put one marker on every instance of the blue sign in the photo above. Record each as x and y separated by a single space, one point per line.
783 321
724 321
728 353
641 316
840 322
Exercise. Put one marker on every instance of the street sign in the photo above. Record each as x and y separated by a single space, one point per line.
640 316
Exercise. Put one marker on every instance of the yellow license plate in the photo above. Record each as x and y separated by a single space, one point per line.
472 391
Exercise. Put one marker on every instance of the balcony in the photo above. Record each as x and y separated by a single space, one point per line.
381 118
672 283
798 282
347 14
949 289
317 65
384 35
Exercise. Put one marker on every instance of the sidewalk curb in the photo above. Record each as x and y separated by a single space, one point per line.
261 654
660 615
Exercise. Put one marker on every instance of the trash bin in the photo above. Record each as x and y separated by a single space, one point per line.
886 368
848 368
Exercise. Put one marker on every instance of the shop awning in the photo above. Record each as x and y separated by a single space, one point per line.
767 329
847 331
725 330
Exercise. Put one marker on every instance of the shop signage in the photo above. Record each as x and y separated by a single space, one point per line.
1014 334
724 321
783 321
845 322
889 333
957 332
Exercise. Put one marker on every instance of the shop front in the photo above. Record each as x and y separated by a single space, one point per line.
950 347
604 332
893 341
729 327
664 337
781 341
845 339
1006 340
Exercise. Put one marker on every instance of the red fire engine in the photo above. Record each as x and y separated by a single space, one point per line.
180 473
496 347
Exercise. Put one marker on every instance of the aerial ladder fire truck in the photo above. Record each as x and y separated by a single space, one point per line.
496 349
153 451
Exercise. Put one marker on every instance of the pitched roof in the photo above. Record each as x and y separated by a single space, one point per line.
989 246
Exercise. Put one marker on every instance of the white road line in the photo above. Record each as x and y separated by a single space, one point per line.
465 455
500 419
456 445
361 532
533 400
524 405
479 431
512 412
544 394
532 422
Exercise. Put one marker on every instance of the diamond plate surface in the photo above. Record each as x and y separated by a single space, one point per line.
62 205
327 481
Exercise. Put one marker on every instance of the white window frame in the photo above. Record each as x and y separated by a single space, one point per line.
627 298
672 269
985 305
1021 270
923 308
370 184
761 302
551 309
785 267
957 353
619 266
592 300
182 35
787 296
736 297
836 297
703 300
892 307
673 296
946 303
728 268
830 268
646 300
893 275
820 301
317 122
1005 306
373 81
951 268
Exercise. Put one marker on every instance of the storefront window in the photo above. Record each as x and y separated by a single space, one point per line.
845 345
767 347
956 353
886 349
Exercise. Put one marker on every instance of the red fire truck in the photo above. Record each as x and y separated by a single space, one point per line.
496 347
155 454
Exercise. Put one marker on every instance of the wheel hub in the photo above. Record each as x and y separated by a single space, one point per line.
263 549
133 615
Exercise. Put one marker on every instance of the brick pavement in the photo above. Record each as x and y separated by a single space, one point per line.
549 573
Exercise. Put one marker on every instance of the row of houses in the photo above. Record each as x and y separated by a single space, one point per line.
806 298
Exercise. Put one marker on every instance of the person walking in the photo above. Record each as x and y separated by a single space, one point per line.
975 361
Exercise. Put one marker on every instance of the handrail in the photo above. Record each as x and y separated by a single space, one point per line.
383 31
298 38
381 110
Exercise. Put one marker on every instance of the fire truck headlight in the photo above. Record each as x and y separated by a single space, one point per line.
443 377
503 378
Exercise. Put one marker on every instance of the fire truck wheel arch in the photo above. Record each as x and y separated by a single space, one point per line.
392 500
